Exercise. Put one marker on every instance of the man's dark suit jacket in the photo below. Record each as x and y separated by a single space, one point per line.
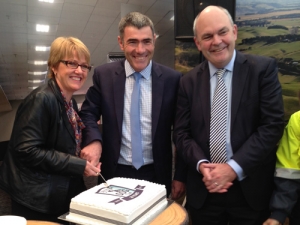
106 98
256 126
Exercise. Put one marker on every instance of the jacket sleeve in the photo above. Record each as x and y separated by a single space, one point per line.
34 136
287 176
261 112
186 144
91 112
181 168
284 198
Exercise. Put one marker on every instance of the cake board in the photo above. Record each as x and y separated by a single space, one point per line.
146 222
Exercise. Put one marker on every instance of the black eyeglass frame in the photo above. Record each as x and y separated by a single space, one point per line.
69 63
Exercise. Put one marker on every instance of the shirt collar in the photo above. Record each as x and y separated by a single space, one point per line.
145 72
229 66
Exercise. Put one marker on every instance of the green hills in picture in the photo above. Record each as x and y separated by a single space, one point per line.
273 29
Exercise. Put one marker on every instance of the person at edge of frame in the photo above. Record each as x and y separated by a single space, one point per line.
285 201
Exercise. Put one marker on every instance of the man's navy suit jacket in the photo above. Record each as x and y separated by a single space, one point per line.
256 126
106 98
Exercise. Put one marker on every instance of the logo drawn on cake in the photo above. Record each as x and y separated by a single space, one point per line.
124 193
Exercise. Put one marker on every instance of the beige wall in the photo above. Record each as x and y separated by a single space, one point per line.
7 121
7 118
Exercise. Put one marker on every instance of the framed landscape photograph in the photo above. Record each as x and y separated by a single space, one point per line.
187 55
272 28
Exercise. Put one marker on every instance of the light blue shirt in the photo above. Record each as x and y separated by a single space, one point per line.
227 77
145 114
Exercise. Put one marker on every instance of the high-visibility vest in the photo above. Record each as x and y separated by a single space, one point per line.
288 152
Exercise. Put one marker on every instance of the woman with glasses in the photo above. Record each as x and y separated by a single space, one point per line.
42 169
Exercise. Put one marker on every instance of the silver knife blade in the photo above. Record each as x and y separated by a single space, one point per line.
106 184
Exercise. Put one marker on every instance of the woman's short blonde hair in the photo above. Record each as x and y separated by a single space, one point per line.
66 47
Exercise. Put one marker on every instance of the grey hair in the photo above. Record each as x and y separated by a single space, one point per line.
221 8
137 20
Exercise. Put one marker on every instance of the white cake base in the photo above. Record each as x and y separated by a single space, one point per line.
125 201
144 220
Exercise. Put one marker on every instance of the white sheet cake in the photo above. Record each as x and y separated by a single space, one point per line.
125 201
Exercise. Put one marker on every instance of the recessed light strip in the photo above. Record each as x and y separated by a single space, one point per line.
34 87
42 28
48 1
36 81
37 73
42 48
37 62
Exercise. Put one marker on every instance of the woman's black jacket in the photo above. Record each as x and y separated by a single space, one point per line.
40 162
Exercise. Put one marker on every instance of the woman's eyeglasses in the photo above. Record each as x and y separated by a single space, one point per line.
74 65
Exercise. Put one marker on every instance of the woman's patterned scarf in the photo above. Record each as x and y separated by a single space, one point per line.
76 123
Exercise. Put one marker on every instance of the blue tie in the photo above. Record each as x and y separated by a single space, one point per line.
135 124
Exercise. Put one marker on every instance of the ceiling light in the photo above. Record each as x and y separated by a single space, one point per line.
40 62
32 87
35 81
172 18
37 62
37 73
48 1
42 28
42 48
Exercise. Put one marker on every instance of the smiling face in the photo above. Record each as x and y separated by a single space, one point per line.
215 36
138 46
70 80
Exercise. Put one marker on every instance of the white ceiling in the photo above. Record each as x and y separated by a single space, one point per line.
95 22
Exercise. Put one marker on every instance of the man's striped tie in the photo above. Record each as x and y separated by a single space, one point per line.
218 121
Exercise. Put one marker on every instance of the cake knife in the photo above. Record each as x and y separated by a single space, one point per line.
106 184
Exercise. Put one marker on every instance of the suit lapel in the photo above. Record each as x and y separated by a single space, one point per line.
63 112
119 90
157 95
68 125
204 81
239 77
